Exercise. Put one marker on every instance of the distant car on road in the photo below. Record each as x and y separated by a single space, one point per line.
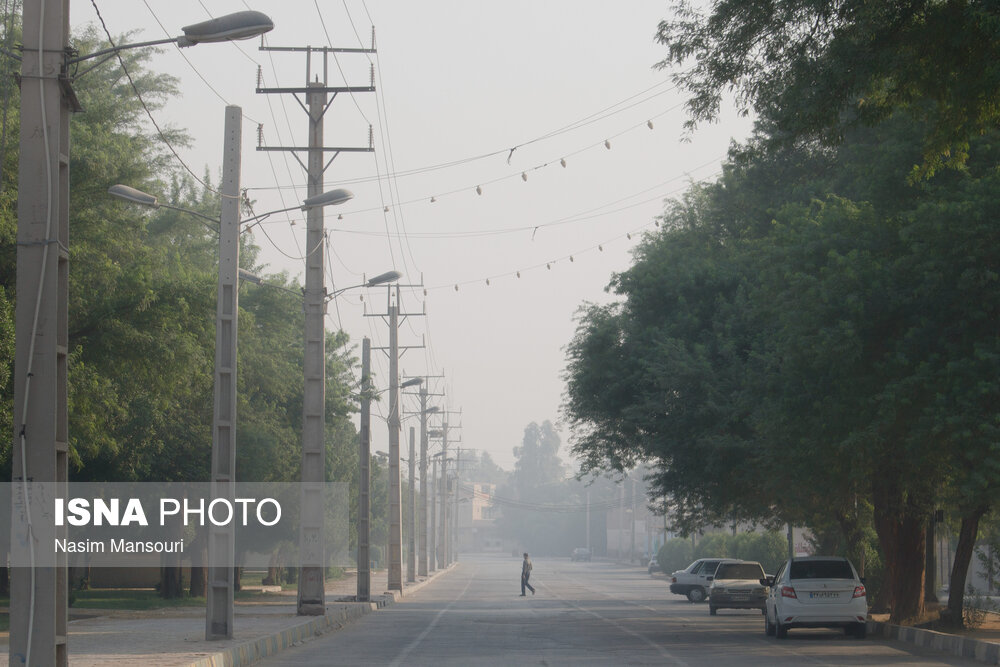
737 585
694 580
816 592
580 553
653 565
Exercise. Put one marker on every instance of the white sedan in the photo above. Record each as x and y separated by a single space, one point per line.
816 592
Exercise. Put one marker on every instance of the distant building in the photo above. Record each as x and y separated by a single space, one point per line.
477 514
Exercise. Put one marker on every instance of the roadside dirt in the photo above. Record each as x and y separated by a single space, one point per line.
988 630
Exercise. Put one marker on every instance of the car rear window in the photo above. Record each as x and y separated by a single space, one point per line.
739 571
821 569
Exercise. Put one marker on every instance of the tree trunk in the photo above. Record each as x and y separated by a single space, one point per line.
4 582
199 574
171 583
953 616
930 569
901 525
199 581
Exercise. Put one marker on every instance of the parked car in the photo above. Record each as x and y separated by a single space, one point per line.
653 565
580 553
816 592
737 586
694 580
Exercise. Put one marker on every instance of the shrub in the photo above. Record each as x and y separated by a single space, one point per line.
675 554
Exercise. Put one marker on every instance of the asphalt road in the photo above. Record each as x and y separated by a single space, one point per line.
583 614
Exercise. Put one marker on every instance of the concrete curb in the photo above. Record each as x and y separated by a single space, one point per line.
962 647
266 646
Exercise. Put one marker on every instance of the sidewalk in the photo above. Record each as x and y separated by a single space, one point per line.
175 637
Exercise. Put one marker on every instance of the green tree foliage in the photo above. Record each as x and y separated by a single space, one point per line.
809 344
818 67
142 307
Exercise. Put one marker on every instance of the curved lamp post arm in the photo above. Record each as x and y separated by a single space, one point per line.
387 277
239 25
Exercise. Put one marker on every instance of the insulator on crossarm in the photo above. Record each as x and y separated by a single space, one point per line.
456 288
524 175
649 124
479 189
607 144
563 162
629 235
433 200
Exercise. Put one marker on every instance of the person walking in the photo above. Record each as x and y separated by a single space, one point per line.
525 575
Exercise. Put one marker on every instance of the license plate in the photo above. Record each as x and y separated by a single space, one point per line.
825 594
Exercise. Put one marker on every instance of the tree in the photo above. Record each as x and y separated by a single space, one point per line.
781 351
540 508
819 67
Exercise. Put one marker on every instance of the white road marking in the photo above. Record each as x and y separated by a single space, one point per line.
423 635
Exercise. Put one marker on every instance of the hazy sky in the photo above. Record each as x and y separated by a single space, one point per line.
459 84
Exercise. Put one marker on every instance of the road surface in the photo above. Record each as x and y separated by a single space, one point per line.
596 613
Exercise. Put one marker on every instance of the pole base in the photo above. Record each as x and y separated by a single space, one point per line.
312 609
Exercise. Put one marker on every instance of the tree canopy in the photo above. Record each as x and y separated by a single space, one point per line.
818 67
798 343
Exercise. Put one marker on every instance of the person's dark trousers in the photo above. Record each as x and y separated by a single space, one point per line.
525 584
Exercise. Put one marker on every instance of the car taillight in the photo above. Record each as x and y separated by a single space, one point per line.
788 592
859 592
673 580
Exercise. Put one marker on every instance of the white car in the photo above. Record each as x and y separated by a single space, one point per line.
816 592
694 580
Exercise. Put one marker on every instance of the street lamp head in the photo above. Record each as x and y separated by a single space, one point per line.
411 382
387 277
249 277
329 198
132 195
240 25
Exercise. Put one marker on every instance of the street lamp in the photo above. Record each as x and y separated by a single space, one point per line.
38 603
228 28
221 585
329 198
380 279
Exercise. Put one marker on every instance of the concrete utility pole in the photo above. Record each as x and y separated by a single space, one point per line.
311 593
395 520
395 538
433 556
425 488
621 517
364 479
454 521
222 539
411 547
631 550
41 431
443 555
588 519
422 528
